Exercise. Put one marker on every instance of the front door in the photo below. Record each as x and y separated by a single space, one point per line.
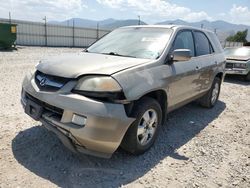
183 83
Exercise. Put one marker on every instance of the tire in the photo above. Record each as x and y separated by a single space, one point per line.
247 78
141 136
211 97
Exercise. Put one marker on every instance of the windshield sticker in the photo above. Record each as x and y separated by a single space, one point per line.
149 39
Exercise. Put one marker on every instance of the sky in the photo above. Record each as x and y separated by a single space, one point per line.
150 11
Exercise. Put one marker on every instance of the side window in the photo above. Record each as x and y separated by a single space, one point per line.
203 47
211 49
184 40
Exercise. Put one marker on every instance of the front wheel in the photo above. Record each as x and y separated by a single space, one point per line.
211 98
143 131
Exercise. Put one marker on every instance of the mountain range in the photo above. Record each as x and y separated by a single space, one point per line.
222 28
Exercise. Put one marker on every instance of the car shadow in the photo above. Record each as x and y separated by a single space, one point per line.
12 49
42 153
236 79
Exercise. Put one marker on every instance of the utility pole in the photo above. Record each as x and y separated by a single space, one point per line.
10 17
215 30
139 20
73 32
45 27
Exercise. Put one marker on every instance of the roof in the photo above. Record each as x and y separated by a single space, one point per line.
168 27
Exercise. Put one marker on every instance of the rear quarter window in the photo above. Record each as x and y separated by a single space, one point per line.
215 42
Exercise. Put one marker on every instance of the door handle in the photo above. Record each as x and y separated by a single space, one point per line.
197 68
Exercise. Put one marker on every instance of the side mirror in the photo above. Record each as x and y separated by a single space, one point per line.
181 55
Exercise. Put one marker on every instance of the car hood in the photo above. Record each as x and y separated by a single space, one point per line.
74 65
238 58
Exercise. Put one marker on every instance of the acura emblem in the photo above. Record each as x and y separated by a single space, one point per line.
43 81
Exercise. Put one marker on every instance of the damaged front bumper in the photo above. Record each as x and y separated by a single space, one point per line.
102 126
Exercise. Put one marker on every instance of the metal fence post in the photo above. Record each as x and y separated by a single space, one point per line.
10 17
45 27
97 31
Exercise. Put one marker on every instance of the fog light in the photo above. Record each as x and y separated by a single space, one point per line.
79 120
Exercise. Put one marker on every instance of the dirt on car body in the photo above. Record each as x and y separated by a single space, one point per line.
197 147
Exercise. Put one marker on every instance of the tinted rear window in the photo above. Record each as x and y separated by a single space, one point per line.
203 46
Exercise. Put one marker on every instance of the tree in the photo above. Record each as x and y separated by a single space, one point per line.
240 36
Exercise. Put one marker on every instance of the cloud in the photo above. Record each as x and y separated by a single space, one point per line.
156 9
240 14
36 9
112 3
152 11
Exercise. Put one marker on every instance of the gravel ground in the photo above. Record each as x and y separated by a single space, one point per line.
196 148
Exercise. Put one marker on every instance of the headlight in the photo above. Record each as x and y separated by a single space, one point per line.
240 65
103 88
98 84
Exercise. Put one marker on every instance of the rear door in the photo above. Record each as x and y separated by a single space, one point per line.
205 61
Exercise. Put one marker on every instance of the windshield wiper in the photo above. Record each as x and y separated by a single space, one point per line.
116 54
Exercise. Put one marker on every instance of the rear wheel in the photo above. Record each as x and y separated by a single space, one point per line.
211 98
143 131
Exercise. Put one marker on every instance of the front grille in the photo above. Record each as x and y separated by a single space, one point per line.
229 65
47 82
45 105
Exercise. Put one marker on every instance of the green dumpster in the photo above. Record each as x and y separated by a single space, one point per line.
7 35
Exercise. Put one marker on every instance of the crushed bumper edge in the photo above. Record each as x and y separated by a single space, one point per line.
69 144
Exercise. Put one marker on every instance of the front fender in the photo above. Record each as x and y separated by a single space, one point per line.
140 81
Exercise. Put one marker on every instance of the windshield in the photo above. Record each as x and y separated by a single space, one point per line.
239 52
147 43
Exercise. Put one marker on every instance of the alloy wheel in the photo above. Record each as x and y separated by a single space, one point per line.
215 93
147 127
